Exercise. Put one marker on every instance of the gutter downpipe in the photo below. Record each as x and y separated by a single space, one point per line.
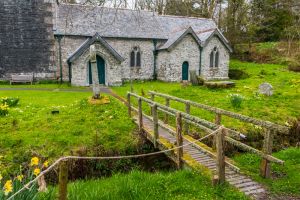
60 58
200 60
155 52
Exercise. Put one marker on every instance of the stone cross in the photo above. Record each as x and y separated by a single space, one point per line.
94 69
266 89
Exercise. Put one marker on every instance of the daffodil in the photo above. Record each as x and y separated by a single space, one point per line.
1 177
8 187
36 171
34 161
46 164
20 177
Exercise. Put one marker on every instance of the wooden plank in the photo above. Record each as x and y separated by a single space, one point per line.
179 139
250 188
166 120
220 155
155 124
140 115
265 166
246 184
63 181
187 110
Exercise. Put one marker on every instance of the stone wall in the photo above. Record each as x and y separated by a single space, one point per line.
26 39
116 73
169 63
80 70
215 73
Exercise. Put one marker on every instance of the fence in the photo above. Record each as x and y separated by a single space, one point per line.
206 126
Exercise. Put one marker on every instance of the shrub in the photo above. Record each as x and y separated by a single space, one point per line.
3 109
236 100
11 186
237 74
10 101
294 66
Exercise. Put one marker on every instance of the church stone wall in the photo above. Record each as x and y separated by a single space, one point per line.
26 38
169 63
116 73
215 73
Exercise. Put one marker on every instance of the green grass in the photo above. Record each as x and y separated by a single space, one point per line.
279 108
285 179
148 186
31 129
41 86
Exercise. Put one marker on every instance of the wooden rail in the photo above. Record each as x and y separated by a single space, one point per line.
205 125
270 127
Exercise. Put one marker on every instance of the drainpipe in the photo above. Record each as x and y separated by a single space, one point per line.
70 72
60 59
155 52
200 60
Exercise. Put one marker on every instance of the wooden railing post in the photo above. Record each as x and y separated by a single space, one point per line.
220 141
129 104
155 124
218 119
265 166
187 110
166 115
152 99
63 180
140 114
179 139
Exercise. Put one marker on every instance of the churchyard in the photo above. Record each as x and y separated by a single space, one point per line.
31 129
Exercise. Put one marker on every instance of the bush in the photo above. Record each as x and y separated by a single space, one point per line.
236 100
294 66
237 74
10 101
3 109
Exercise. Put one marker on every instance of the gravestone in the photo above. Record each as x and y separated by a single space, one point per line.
266 89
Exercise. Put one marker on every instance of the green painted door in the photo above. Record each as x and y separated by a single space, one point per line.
185 71
101 71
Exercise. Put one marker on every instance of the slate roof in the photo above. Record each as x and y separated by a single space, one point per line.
126 23
90 41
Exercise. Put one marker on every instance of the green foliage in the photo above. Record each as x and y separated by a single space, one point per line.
141 185
4 109
237 74
31 128
236 100
10 101
285 178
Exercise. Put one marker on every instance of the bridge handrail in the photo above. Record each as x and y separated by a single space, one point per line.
196 120
265 124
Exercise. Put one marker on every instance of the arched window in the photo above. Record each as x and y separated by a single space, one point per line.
214 58
132 59
135 57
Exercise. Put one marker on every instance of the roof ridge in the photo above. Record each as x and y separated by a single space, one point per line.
97 6
181 16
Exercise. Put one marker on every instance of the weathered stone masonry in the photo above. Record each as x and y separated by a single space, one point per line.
26 38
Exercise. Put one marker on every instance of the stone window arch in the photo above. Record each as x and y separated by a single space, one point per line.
135 57
214 58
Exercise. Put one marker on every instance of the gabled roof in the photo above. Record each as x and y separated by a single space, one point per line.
177 37
90 41
217 33
201 37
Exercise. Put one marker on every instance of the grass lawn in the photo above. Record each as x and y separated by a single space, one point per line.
285 179
279 108
30 128
142 185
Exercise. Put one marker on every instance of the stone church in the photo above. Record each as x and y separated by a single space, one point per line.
138 45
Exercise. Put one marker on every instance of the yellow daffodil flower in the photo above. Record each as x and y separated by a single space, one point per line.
46 164
20 177
8 187
34 161
1 177
36 171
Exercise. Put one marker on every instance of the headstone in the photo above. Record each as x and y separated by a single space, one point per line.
266 89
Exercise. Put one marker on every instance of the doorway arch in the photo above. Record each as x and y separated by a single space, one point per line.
185 71
101 70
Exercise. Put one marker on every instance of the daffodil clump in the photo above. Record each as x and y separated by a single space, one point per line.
6 103
11 186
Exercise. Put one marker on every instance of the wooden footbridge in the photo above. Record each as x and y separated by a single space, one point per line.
165 136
